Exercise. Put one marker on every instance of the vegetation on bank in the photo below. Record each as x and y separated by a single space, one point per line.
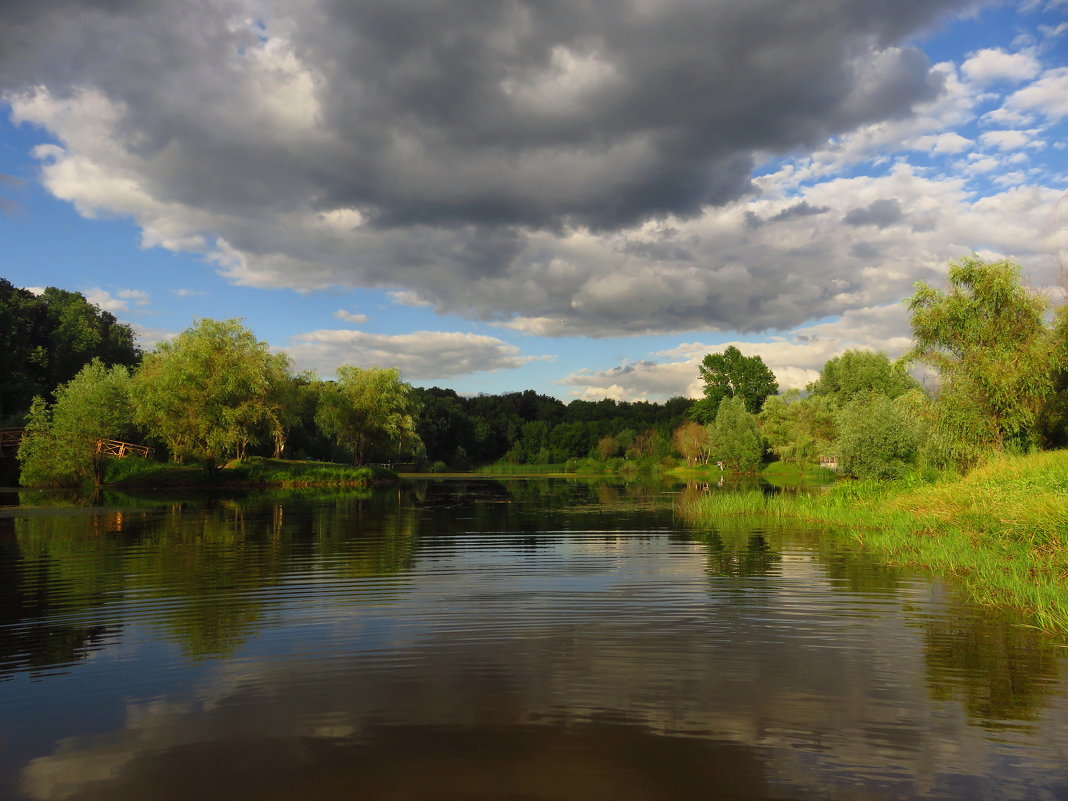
133 473
1002 529
215 393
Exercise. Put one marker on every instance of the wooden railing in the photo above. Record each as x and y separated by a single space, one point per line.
11 437
9 440
119 449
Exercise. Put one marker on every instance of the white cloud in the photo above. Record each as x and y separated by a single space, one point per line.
118 302
419 355
1047 96
949 143
351 317
1009 140
796 358
189 293
988 66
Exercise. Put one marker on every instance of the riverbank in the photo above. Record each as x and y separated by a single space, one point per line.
251 473
1002 530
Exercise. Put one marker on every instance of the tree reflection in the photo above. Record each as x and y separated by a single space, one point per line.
1001 670
205 573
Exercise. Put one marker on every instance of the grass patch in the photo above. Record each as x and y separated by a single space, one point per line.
254 472
1002 530
503 469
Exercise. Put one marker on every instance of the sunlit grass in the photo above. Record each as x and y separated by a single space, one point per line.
1002 529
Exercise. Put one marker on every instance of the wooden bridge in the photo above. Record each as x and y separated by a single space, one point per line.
11 437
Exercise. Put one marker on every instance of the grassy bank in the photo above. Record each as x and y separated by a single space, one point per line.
255 472
1002 529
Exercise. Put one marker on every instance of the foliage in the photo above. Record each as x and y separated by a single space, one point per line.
1000 529
47 338
211 392
988 338
693 442
368 410
855 372
737 441
60 447
799 430
876 439
728 375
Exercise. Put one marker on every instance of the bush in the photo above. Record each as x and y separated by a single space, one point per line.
875 439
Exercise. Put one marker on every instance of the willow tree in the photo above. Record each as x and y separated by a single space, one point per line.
368 410
60 446
211 392
996 354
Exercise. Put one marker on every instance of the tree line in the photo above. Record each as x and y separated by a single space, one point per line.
998 356
216 393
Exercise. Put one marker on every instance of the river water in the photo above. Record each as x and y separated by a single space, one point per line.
483 639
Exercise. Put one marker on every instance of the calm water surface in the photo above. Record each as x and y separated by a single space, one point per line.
479 639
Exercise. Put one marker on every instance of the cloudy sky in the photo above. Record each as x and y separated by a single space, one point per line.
577 196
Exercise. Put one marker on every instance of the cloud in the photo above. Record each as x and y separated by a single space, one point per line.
990 65
880 213
419 356
796 359
1047 96
351 317
1007 140
494 167
945 143
189 293
118 302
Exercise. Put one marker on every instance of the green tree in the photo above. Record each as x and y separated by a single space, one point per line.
877 438
736 438
368 410
210 393
857 371
61 444
995 352
47 338
729 375
799 430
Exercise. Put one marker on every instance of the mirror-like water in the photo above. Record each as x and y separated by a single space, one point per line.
479 639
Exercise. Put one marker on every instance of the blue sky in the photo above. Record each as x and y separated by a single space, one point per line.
583 204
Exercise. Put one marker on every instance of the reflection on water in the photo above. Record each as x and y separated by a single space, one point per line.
540 639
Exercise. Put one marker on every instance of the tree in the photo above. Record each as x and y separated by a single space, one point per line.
368 410
877 439
996 355
728 375
47 338
857 371
799 430
60 446
736 437
692 442
210 393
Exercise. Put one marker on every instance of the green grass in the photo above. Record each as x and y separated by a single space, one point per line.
1002 530
254 472
502 469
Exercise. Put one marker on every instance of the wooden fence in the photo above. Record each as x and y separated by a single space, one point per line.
11 437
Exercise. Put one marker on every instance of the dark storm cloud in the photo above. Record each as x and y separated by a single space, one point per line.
534 113
880 213
467 135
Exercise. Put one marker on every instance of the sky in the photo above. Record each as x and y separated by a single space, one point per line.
581 197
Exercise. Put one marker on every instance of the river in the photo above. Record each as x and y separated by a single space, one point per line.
497 639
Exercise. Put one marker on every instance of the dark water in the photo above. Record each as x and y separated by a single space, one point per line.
498 640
